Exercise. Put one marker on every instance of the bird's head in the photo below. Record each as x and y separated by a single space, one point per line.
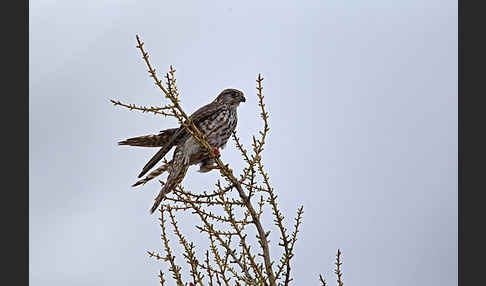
231 96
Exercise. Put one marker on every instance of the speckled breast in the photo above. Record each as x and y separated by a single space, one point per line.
218 128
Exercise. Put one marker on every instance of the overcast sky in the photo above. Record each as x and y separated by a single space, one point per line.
362 97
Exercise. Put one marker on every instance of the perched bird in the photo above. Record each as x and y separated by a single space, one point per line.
216 120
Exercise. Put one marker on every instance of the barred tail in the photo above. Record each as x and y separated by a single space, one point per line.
153 174
173 180
155 159
150 140
165 190
157 202
171 142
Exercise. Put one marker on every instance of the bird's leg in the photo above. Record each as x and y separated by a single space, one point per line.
208 168
207 165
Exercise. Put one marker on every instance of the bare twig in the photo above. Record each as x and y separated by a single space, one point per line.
338 268
235 260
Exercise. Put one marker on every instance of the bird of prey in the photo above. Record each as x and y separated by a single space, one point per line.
216 120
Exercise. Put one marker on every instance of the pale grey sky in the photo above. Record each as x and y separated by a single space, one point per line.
372 155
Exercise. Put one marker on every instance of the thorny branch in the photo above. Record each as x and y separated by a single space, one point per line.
232 212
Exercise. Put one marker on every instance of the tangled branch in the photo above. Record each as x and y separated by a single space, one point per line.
229 213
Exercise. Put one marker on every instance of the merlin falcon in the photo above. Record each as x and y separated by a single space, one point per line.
216 120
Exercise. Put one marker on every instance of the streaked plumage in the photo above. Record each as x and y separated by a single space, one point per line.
216 120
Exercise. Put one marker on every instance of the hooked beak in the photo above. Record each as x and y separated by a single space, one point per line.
243 99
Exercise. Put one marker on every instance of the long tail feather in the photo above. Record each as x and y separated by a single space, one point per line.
157 202
157 172
161 153
155 159
143 141
150 140
177 173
